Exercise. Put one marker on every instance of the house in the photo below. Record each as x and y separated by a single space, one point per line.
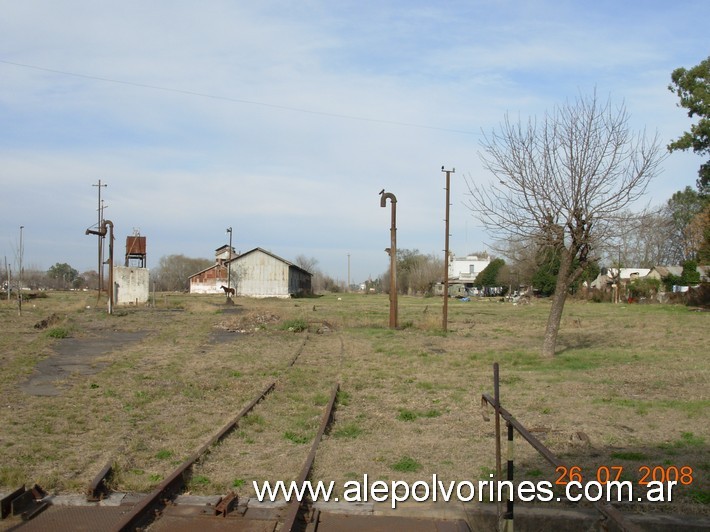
608 276
210 280
260 273
462 273
467 268
661 272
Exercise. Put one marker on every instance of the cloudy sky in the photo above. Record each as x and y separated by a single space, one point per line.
285 119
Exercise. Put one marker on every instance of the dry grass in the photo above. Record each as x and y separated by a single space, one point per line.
633 379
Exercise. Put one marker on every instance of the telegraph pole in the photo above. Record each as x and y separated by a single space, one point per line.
229 266
446 249
19 287
348 290
101 238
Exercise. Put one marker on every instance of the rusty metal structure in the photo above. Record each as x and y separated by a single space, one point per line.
392 251
107 227
609 513
136 250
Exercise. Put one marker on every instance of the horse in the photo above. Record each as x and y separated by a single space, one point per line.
228 291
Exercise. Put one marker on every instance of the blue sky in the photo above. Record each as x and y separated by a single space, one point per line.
284 120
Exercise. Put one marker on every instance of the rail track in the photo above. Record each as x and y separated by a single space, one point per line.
314 366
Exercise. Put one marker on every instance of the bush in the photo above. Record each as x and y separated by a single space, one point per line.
644 287
296 325
58 332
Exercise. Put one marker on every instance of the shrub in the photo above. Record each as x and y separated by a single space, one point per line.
58 332
644 287
295 325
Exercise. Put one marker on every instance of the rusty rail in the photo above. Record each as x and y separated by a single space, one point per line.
607 510
294 505
144 511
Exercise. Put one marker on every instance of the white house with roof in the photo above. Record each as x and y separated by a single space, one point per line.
608 276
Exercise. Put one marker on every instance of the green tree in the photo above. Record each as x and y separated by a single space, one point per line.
693 89
690 275
544 280
63 275
489 275
682 210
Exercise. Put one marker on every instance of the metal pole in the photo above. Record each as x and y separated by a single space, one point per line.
496 406
348 290
508 517
109 223
393 255
101 238
229 266
445 324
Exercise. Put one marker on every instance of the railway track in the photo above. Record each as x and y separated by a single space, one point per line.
310 376
305 391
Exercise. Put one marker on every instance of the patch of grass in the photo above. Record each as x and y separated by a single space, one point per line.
633 456
295 437
410 415
342 398
321 399
348 430
238 482
406 415
295 325
406 464
164 454
699 495
199 480
58 332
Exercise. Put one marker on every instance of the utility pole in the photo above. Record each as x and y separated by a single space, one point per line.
446 249
348 290
229 266
100 211
19 286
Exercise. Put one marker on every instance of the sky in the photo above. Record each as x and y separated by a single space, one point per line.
284 120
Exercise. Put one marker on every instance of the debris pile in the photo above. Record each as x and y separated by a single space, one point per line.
248 323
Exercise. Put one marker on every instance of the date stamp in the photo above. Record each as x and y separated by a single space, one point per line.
682 475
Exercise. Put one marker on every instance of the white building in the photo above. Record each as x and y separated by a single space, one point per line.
465 269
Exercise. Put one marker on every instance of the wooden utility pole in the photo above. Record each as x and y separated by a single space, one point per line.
445 320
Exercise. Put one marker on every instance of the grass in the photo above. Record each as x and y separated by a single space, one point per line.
632 378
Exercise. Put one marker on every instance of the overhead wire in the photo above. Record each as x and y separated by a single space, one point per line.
233 99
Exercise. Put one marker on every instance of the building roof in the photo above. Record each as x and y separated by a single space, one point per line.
217 265
262 250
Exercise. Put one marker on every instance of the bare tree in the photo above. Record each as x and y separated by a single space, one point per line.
645 240
561 183
306 263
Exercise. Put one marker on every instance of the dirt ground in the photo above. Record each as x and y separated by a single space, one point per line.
144 388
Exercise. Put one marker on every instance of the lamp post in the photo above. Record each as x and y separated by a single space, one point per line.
229 266
392 250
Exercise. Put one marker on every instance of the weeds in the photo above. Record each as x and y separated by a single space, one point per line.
406 464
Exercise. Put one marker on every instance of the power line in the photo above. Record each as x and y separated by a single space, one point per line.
234 100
